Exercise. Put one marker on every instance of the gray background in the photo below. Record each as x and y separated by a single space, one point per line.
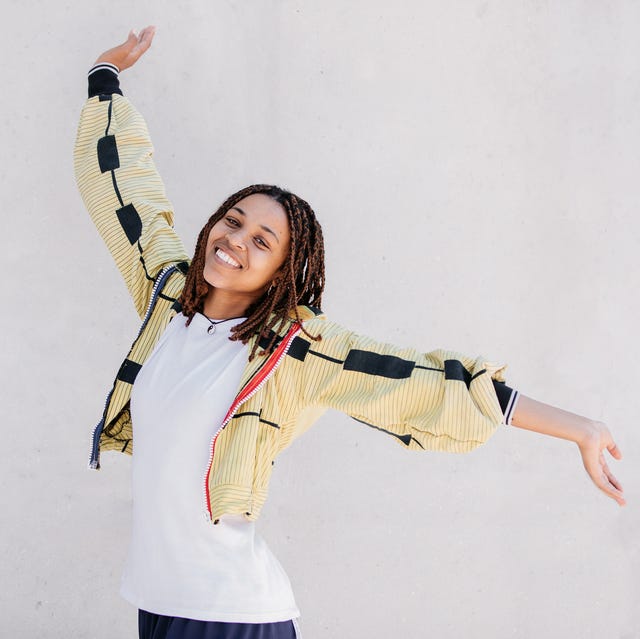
474 165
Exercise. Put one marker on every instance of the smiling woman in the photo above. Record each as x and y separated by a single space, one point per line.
213 408
260 254
244 254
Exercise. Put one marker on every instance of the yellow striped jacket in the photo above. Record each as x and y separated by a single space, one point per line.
441 400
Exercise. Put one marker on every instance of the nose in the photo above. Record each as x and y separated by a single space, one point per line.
237 239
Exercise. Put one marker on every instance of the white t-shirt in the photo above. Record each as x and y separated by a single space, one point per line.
179 563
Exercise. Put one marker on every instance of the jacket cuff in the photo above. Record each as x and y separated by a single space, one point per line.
508 398
103 79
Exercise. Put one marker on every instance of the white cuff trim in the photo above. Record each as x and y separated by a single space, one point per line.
511 407
104 66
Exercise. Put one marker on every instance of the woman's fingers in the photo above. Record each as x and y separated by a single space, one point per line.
138 44
604 479
612 479
616 453
612 491
614 450
145 38
614 482
592 450
127 54
609 474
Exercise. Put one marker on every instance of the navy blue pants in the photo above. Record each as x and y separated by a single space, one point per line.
153 626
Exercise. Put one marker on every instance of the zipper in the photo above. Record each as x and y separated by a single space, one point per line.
252 387
94 454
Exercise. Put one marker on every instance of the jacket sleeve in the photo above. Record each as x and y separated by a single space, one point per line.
122 190
440 400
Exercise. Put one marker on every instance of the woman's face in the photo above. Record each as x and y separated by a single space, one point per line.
246 248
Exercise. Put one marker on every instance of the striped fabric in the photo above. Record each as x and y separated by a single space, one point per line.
441 400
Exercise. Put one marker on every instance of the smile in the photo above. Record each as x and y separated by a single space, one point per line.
226 258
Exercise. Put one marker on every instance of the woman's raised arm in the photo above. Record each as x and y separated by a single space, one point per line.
117 177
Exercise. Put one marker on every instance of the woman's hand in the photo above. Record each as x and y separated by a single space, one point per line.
592 447
127 54
592 438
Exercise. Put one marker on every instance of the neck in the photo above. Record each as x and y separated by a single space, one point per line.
225 305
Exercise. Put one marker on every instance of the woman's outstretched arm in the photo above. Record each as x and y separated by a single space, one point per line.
441 400
592 438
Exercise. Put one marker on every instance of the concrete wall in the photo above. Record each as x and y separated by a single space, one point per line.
474 165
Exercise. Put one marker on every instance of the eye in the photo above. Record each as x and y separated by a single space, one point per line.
261 242
232 221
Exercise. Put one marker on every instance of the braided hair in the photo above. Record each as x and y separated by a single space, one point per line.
301 280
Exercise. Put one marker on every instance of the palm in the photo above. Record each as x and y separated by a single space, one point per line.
127 54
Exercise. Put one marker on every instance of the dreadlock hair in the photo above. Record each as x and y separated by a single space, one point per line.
301 279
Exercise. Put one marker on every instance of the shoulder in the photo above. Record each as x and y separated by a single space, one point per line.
332 334
306 313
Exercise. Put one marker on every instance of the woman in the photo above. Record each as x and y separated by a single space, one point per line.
234 359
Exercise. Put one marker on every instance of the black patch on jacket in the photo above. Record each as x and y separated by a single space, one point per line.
130 221
263 342
299 348
108 158
381 365
453 369
129 371
183 267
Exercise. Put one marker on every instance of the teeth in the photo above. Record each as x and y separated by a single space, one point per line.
226 258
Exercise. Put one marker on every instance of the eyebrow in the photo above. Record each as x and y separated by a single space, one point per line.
262 226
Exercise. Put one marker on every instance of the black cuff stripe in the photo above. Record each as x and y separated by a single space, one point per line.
506 397
103 81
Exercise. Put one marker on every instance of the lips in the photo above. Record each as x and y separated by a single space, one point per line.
227 258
